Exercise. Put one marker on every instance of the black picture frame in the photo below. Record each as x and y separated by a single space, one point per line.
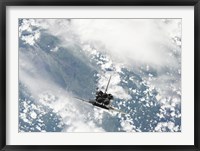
5 3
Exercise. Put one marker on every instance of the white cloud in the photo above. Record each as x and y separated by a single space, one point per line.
129 40
170 126
33 35
126 40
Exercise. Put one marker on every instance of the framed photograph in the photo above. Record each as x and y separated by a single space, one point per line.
106 75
